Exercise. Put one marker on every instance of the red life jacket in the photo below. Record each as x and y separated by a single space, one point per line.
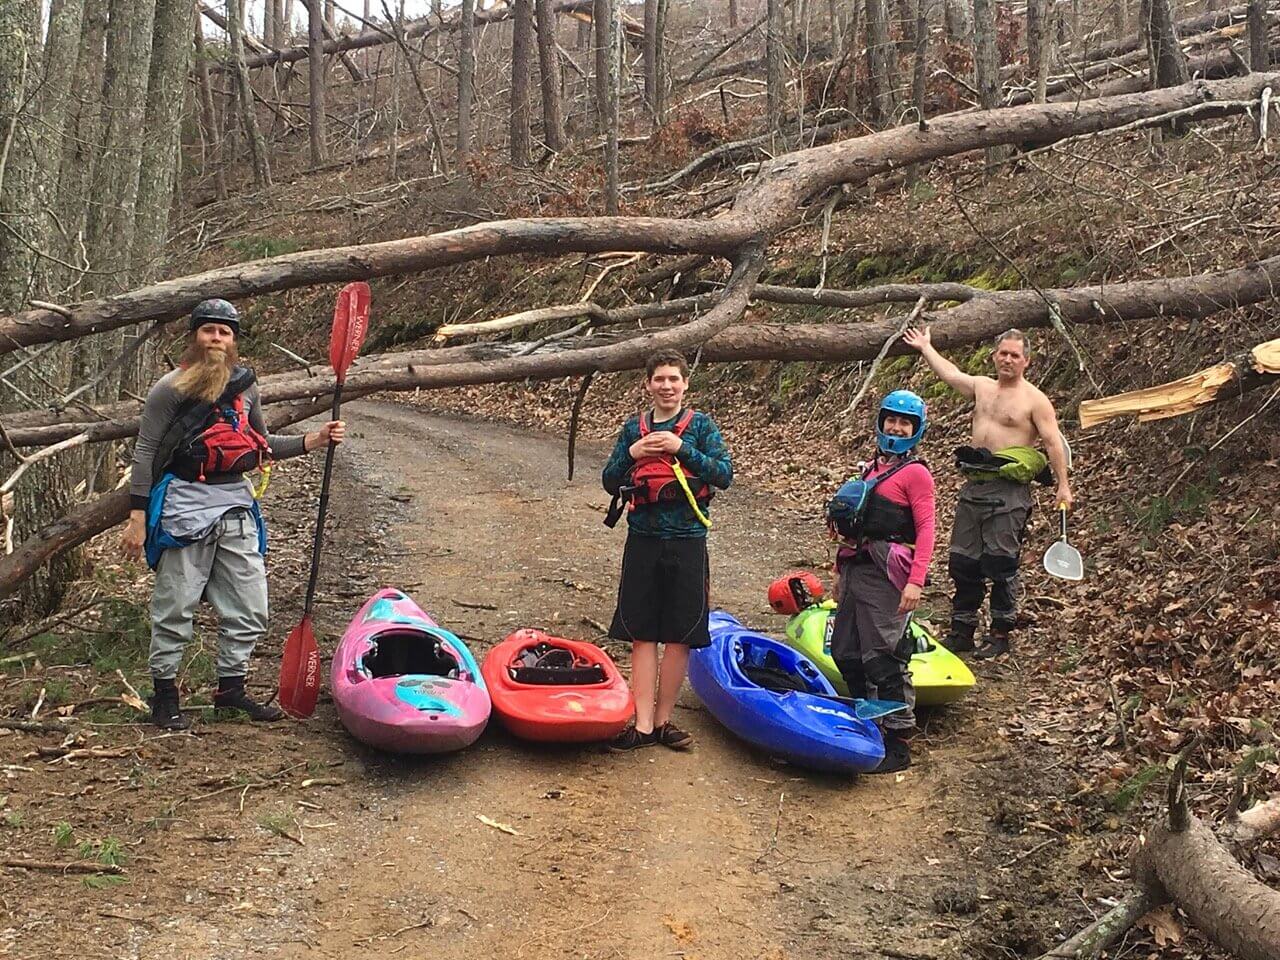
226 444
653 479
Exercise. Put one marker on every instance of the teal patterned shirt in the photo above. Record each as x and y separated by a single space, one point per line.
702 453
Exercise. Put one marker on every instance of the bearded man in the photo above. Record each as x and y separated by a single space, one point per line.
196 514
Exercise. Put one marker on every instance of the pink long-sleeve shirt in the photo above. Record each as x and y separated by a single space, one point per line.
912 486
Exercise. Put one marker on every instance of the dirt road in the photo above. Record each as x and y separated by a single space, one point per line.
717 853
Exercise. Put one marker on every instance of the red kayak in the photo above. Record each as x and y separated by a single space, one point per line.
551 689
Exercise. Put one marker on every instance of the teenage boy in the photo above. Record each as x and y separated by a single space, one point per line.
665 465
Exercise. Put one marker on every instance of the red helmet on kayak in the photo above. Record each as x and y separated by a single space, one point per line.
794 591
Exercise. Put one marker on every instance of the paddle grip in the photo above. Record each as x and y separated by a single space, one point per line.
1062 521
318 543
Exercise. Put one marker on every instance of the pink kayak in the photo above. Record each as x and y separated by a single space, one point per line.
403 683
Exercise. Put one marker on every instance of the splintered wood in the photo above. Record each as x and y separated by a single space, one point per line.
1179 396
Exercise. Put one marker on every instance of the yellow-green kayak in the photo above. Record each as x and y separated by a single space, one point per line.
938 675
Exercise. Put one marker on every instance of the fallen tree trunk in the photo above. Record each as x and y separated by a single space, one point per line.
984 314
1223 899
218 20
1179 859
764 207
1197 24
1223 381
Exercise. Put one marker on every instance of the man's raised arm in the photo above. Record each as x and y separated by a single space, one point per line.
947 372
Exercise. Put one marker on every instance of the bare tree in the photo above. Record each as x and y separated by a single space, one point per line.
111 216
161 129
61 60
733 13
958 15
600 13
521 42
880 53
1259 52
986 63
1120 18
655 15
1038 46
1168 62
268 26
466 80
208 116
315 51
611 27
84 132
549 69
775 91
244 92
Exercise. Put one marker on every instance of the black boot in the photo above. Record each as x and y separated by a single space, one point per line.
995 645
959 638
231 696
897 755
164 706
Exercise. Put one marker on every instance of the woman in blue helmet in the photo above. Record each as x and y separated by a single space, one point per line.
884 522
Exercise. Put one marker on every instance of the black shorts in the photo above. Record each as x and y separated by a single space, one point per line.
663 592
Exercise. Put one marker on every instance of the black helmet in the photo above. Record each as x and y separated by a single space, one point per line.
215 311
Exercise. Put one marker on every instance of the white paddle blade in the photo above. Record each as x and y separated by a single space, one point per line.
1064 561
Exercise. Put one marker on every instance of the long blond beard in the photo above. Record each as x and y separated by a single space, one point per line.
206 372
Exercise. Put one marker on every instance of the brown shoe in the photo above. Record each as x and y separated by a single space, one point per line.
995 645
669 735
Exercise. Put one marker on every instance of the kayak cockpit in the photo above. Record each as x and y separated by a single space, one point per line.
404 652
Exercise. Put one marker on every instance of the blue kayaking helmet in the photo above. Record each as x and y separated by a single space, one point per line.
906 404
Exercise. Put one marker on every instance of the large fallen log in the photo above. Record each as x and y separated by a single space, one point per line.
1223 381
977 319
983 315
1197 24
770 203
1179 859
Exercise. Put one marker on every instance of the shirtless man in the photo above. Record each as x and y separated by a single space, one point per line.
1009 416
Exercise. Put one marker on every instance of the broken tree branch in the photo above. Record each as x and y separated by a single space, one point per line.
767 205
1222 381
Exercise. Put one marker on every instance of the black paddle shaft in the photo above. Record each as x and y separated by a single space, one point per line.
1062 523
318 543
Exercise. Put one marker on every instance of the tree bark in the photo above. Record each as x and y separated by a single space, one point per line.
613 80
549 70
209 116
600 13
775 90
1168 62
112 215
61 62
959 21
919 74
1223 900
733 13
986 64
162 128
315 53
880 52
521 42
244 92
466 80
1038 47
1259 47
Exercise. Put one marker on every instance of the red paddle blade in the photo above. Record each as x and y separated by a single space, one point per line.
350 321
300 672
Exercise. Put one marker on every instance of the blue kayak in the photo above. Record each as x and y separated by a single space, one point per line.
775 699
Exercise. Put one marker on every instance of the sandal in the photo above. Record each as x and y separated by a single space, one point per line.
669 735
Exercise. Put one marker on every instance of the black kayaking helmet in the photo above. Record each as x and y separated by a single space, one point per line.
215 311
